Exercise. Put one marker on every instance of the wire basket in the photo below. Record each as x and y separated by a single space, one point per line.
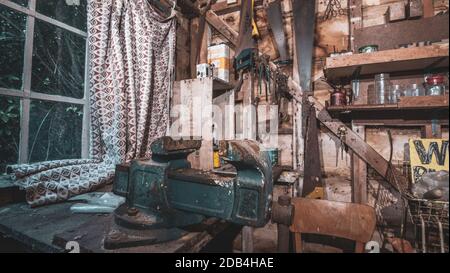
431 217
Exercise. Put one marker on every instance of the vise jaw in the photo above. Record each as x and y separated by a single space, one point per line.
165 192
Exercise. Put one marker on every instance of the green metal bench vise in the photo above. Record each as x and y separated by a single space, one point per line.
164 193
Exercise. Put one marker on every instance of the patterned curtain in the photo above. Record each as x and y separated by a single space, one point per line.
131 53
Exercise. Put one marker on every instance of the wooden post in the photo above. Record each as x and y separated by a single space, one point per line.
428 132
203 54
359 171
355 17
428 8
247 239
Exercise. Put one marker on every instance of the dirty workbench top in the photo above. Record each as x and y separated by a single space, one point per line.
49 228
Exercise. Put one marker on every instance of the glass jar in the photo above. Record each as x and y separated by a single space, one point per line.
414 90
382 84
395 93
435 85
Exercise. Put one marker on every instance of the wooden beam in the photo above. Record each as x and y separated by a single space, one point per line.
352 140
223 7
388 61
223 28
428 8
390 36
359 171
194 28
432 131
355 18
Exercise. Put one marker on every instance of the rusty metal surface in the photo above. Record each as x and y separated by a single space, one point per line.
200 176
166 144
344 220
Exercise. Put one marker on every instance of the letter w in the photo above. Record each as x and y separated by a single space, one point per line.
426 156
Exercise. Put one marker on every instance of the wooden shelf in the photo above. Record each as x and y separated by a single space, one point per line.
387 61
409 111
221 85
416 103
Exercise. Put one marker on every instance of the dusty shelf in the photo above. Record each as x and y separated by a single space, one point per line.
409 111
387 61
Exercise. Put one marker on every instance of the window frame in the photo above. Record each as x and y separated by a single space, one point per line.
26 95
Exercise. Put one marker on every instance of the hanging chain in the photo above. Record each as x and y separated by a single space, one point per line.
342 132
334 9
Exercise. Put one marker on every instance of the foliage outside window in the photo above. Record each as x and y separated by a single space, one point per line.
42 81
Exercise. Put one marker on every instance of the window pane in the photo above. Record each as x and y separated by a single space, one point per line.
21 2
71 12
58 61
9 131
12 41
55 131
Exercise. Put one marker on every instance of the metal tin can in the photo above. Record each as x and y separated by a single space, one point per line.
368 49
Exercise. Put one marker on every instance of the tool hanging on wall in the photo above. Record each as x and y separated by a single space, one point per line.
342 133
246 49
304 23
255 31
275 18
334 9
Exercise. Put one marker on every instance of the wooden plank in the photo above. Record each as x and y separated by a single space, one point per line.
431 131
202 101
90 236
9 192
422 102
354 141
405 103
387 61
222 7
428 8
359 171
223 28
390 36
225 103
397 122
194 28
247 239
183 50
355 17
35 227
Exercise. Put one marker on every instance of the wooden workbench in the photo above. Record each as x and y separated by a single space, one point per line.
49 228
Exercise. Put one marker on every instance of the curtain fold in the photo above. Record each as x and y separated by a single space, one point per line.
131 52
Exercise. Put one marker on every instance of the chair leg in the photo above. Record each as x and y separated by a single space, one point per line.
298 242
359 247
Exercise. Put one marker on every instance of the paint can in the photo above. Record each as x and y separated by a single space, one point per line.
216 159
273 156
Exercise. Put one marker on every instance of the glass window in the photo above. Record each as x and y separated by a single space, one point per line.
71 12
12 41
55 130
56 67
58 61
21 2
9 131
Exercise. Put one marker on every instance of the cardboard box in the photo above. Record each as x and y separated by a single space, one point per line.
219 58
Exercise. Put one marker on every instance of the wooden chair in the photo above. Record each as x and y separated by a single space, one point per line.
340 219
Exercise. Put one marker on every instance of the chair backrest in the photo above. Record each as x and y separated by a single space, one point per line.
340 219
